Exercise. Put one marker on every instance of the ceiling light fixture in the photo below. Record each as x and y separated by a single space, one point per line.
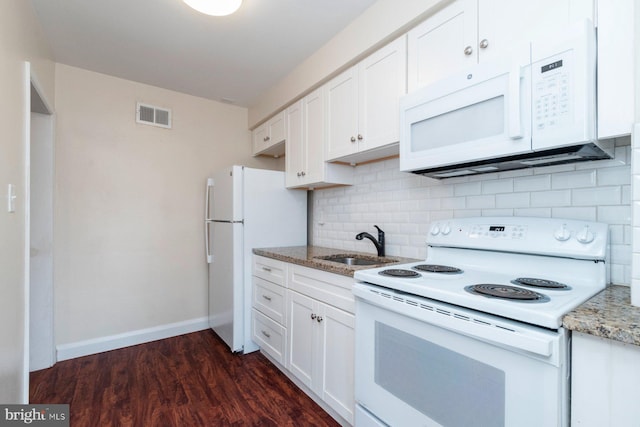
215 7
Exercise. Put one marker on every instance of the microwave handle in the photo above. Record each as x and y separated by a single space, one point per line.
515 115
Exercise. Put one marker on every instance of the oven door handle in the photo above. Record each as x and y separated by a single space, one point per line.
501 336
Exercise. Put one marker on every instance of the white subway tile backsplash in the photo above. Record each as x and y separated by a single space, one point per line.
581 213
597 196
497 186
405 204
551 198
468 188
614 176
574 179
513 200
532 183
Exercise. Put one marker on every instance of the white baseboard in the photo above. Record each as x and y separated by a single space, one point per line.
141 336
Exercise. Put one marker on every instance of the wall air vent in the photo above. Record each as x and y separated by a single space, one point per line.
155 116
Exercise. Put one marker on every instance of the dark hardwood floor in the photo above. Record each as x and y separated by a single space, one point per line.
190 380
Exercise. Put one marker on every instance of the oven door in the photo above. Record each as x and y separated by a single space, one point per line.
480 114
421 362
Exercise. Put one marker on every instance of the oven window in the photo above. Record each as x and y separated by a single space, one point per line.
469 123
450 388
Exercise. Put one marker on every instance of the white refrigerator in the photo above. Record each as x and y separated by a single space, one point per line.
245 209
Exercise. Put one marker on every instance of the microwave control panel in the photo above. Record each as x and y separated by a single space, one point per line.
552 93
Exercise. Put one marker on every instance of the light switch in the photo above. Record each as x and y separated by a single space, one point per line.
11 198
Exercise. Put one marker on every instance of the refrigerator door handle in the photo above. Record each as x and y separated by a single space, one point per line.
207 231
207 221
207 197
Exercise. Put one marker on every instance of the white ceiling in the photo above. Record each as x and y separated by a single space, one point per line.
165 43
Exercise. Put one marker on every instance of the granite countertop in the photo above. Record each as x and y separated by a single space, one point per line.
608 314
308 257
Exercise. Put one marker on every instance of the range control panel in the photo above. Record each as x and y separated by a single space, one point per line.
545 236
498 231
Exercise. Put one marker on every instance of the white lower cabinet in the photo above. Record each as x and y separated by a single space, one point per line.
268 317
605 382
304 320
321 350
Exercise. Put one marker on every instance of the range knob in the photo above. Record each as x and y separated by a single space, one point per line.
435 230
446 229
562 234
585 235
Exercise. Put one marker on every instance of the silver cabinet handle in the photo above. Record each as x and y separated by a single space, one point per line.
266 334
267 297
468 50
484 43
298 174
353 139
313 316
302 173
319 319
266 269
360 137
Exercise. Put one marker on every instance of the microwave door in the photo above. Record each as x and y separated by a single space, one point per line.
471 117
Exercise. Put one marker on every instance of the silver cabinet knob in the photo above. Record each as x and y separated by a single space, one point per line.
298 174
319 319
353 139
303 173
484 43
313 316
468 50
359 137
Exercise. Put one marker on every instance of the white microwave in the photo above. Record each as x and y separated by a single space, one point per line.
536 108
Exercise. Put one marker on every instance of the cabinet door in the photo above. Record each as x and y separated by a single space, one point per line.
444 43
303 334
276 128
337 349
259 138
342 114
507 26
382 80
314 137
295 144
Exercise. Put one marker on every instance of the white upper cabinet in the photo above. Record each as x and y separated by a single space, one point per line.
305 164
363 104
471 31
269 138
444 43
617 85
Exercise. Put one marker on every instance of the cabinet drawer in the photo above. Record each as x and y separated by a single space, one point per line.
330 288
269 298
269 269
270 336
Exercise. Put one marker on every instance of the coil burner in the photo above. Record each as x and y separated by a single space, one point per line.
540 283
396 272
435 268
506 292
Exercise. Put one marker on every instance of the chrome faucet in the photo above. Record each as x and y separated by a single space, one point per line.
379 243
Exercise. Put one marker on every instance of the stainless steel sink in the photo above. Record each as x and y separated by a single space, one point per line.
349 259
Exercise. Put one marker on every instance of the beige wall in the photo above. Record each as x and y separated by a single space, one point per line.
129 245
382 22
20 40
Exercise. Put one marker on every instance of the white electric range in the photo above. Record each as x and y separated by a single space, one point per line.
487 303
